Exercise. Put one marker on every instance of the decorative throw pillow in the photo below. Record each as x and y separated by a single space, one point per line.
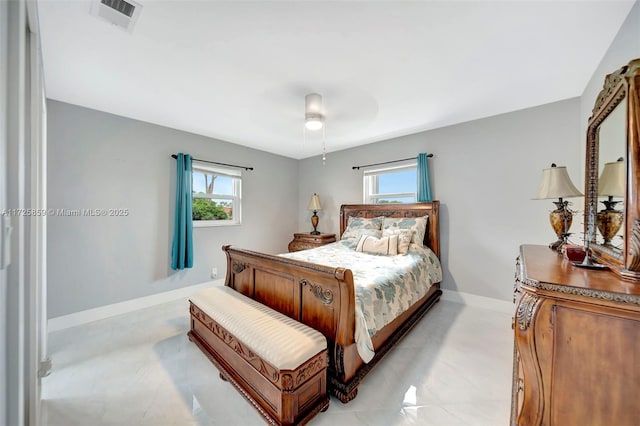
353 242
371 232
373 245
404 238
417 226
356 224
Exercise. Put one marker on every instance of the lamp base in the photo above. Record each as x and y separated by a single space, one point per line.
556 245
609 222
314 223
563 240
560 219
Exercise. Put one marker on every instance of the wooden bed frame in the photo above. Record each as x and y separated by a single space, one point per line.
323 298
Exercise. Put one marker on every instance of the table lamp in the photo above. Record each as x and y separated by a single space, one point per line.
611 184
314 204
557 184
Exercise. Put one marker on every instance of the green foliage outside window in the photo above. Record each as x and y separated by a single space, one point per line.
206 209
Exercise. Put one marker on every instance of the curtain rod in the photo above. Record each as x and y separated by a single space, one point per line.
220 164
387 162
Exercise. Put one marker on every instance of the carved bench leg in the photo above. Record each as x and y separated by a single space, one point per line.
223 377
344 397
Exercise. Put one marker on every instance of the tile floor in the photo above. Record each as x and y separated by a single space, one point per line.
454 368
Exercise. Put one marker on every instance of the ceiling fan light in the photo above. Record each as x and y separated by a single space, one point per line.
313 118
313 121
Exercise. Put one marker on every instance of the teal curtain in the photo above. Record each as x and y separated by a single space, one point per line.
424 186
182 248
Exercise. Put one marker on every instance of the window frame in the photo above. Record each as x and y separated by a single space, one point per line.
370 180
236 198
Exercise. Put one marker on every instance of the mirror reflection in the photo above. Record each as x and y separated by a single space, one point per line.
612 143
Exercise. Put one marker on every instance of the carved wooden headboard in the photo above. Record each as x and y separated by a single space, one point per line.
431 237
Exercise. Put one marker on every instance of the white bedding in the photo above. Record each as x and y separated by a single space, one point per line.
386 286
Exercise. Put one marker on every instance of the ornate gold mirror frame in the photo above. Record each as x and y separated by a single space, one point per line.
622 86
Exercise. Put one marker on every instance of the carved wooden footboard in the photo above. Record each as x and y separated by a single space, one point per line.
323 297
319 296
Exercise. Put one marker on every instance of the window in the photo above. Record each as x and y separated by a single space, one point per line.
391 185
216 195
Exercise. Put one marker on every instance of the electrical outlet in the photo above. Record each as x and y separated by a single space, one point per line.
214 272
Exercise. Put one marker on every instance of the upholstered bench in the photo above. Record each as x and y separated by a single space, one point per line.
278 364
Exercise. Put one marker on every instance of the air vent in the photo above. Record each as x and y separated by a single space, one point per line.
121 13
121 6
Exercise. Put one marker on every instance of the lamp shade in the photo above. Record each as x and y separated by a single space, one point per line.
612 180
556 184
314 203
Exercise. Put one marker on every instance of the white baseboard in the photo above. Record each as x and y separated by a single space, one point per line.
95 314
478 301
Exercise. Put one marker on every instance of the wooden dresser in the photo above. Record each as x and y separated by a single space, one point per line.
577 344
304 241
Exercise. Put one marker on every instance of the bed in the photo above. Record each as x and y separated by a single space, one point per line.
323 297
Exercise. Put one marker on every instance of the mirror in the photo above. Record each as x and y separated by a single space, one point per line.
612 225
612 147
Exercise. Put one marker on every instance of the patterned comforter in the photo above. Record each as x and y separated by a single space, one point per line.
386 286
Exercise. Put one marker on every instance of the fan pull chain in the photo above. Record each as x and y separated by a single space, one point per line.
324 147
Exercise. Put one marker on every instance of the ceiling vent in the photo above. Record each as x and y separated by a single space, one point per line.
120 13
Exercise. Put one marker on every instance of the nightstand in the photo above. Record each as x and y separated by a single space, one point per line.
304 241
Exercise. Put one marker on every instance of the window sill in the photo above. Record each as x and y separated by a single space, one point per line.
213 223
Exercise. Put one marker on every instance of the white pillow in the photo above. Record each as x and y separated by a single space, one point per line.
371 232
373 245
417 225
404 238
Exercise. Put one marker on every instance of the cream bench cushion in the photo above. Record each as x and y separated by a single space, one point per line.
281 341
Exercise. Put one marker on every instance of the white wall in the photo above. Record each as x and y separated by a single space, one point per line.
4 33
484 172
99 160
625 46
17 196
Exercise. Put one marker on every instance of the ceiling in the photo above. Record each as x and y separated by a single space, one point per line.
239 71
